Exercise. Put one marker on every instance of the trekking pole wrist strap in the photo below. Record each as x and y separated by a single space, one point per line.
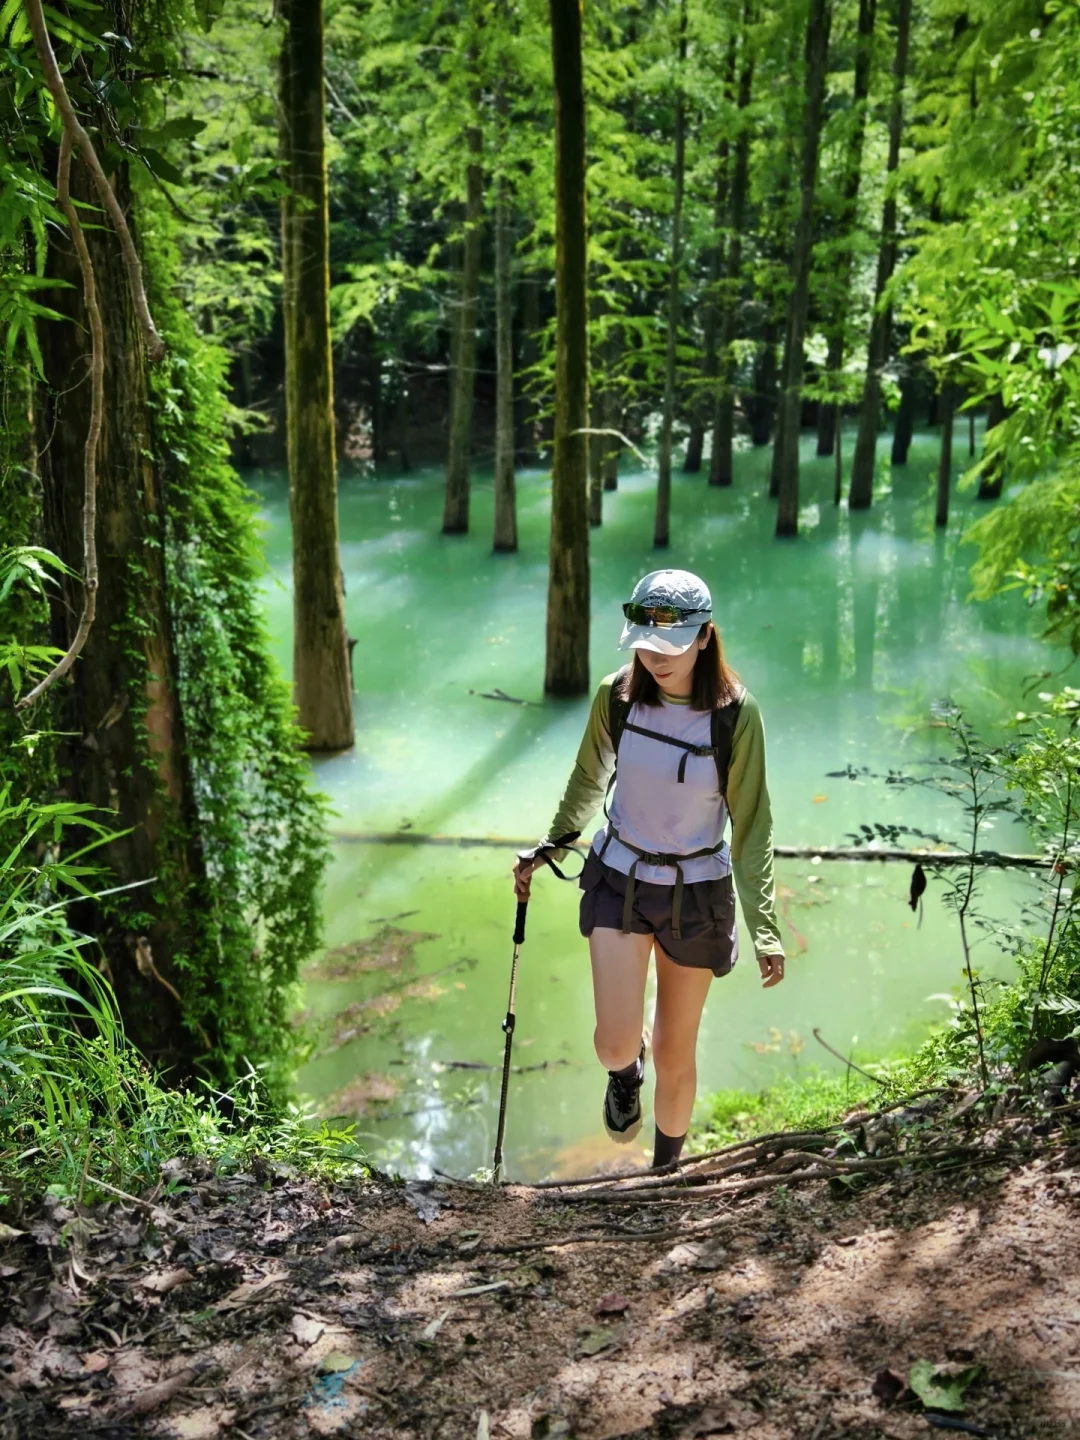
543 852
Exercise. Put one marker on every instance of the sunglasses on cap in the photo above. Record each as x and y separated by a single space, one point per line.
659 614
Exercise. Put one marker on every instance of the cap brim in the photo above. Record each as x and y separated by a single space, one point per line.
663 640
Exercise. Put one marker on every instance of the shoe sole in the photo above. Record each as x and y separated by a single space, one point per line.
623 1137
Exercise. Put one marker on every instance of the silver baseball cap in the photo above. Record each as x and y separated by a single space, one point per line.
676 589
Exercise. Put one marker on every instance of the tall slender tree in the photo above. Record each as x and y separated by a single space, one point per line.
321 672
877 353
506 537
847 217
567 659
721 466
661 532
463 361
786 449
946 412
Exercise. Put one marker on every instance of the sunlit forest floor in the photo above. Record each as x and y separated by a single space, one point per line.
265 1305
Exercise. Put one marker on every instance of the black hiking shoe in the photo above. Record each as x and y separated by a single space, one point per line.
622 1102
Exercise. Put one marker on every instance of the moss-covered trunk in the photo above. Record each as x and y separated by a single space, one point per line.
786 455
862 466
124 750
321 675
566 669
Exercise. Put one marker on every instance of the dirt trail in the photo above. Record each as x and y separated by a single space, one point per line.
270 1306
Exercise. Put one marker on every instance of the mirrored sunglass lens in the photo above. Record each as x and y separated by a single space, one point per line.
652 614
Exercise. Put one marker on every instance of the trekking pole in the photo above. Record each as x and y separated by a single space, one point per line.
511 1018
508 1028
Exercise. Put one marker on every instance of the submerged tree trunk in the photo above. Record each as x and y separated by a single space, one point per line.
721 466
456 507
904 427
506 537
946 410
862 469
567 659
321 674
610 414
786 459
661 531
124 747
847 219
528 424
992 479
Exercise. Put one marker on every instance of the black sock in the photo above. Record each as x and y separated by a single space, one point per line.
633 1071
666 1148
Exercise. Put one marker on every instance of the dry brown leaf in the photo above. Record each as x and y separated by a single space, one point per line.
249 1289
162 1281
94 1361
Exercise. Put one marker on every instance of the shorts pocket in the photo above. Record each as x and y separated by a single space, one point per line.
722 903
592 872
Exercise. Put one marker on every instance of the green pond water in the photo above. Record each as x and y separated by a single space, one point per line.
845 635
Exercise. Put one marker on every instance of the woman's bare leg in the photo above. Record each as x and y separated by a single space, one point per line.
680 999
620 965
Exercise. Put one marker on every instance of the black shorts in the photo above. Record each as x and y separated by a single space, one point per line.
707 924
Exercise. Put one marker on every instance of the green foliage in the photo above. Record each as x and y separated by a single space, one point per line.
814 1099
261 829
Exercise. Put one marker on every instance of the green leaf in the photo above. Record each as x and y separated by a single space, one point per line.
159 166
941 1387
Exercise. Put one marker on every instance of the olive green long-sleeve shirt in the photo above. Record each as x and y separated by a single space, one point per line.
747 802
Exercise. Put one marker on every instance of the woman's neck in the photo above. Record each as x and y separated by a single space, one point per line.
675 696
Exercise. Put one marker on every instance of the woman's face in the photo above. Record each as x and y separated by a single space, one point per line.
673 672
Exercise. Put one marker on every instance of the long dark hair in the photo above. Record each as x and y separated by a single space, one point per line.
715 684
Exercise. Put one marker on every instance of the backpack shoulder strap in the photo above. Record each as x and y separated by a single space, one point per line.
618 708
724 721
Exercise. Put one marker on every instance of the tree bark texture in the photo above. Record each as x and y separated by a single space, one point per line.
567 658
456 508
721 462
787 445
862 468
322 681
661 531
946 410
506 537
847 218
125 753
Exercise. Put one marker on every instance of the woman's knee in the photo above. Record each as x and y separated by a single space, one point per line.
673 1058
615 1049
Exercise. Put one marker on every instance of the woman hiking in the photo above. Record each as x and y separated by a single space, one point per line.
658 877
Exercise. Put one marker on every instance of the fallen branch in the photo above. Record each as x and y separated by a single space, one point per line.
995 858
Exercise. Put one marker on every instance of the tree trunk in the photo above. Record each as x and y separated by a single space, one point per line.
765 374
862 469
567 660
528 425
456 508
661 531
707 396
993 477
946 408
847 218
971 434
787 443
506 537
125 750
721 463
322 681
610 416
905 415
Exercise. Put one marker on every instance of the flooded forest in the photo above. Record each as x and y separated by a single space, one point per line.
451 450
